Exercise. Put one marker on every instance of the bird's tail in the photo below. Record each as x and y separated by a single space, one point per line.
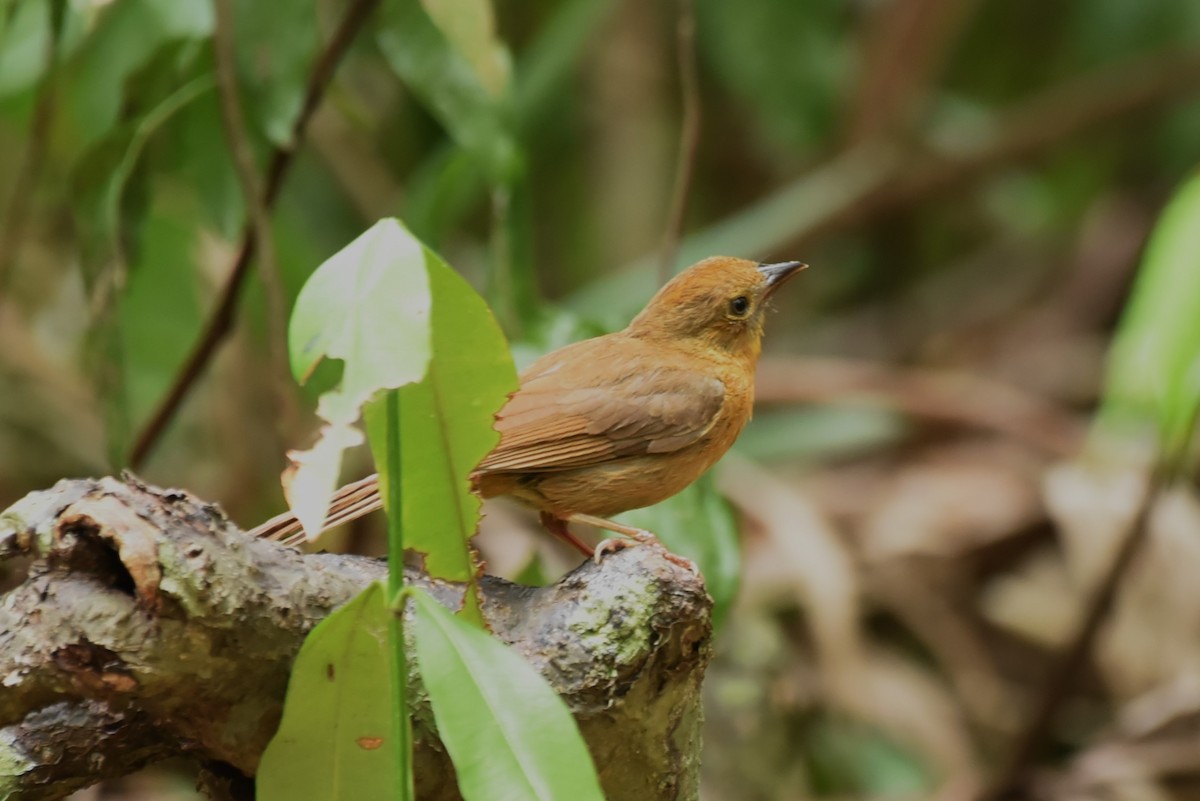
349 503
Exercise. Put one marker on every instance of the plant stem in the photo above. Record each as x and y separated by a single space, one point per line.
398 597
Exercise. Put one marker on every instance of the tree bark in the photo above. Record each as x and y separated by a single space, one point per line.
148 626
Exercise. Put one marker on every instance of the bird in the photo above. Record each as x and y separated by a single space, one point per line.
624 420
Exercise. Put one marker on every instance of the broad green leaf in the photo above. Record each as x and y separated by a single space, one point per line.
510 736
275 49
202 162
427 59
334 740
849 758
817 432
1154 366
143 130
137 365
441 191
450 181
548 63
470 26
797 97
446 427
126 36
700 524
23 46
368 305
160 307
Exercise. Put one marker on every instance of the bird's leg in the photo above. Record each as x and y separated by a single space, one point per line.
639 535
558 527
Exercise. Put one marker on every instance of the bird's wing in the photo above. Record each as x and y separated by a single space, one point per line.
596 404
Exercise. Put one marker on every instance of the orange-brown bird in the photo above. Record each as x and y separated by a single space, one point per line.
624 420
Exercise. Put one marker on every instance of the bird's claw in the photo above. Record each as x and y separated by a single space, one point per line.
614 544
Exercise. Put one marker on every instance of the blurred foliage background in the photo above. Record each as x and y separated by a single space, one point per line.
973 182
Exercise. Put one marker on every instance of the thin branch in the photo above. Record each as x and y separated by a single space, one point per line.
1033 736
20 202
221 320
689 136
260 219
953 396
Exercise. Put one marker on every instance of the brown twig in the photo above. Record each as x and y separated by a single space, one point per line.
221 320
20 201
952 396
689 136
260 219
1057 689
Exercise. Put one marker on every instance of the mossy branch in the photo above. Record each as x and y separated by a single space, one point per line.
148 626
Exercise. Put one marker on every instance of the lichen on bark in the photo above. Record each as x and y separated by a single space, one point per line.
149 626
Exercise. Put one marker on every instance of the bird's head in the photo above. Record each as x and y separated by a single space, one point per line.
715 303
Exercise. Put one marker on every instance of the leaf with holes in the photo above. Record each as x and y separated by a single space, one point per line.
369 306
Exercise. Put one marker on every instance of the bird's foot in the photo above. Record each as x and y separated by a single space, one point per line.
558 527
642 537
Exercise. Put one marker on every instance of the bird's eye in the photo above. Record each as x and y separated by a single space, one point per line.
739 306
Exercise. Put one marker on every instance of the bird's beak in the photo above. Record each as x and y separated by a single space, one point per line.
778 274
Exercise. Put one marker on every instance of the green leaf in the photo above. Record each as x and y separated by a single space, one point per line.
473 106
510 736
23 39
446 427
202 162
799 97
450 181
126 36
160 309
1154 365
700 524
368 305
333 740
137 365
470 26
815 433
548 63
275 50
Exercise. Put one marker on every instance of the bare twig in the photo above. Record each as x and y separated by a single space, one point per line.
1034 733
20 201
260 218
221 320
689 136
958 397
